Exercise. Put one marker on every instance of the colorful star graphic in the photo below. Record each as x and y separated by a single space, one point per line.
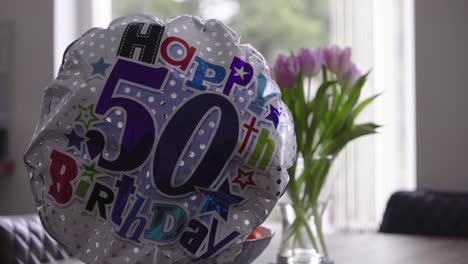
89 170
240 72
219 200
86 115
100 67
244 179
74 140
274 115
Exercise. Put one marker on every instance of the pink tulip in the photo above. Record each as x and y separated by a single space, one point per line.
311 61
352 74
286 71
337 60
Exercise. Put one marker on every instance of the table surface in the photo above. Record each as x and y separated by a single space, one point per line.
374 248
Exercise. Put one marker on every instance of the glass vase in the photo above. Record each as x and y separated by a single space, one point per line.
302 240
298 248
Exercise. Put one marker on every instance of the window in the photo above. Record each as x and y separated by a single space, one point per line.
381 35
271 26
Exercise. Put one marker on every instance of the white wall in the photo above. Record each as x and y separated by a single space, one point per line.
442 94
32 71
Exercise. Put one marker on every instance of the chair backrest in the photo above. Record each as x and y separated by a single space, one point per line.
427 213
24 240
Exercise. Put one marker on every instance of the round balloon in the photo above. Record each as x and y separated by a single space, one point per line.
162 142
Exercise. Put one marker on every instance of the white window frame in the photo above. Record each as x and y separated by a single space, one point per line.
74 17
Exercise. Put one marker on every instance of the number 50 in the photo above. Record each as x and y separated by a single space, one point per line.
139 133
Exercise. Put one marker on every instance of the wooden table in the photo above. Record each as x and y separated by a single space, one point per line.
374 248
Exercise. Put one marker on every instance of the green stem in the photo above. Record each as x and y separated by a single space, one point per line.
318 225
305 223
322 174
310 171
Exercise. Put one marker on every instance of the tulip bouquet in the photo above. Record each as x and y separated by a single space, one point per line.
325 121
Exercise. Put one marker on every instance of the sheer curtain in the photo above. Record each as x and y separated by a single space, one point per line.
372 168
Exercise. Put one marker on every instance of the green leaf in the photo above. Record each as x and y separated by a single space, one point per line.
355 93
363 105
319 112
341 117
335 145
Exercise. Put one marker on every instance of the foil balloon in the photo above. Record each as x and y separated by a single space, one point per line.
159 142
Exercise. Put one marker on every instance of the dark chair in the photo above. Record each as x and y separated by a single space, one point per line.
427 213
24 240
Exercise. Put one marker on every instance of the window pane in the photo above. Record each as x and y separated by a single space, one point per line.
271 26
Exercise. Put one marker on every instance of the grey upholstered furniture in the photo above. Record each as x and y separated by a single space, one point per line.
24 240
430 213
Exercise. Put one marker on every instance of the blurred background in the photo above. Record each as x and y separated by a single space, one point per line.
416 51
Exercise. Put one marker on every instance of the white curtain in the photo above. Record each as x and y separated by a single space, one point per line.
372 168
